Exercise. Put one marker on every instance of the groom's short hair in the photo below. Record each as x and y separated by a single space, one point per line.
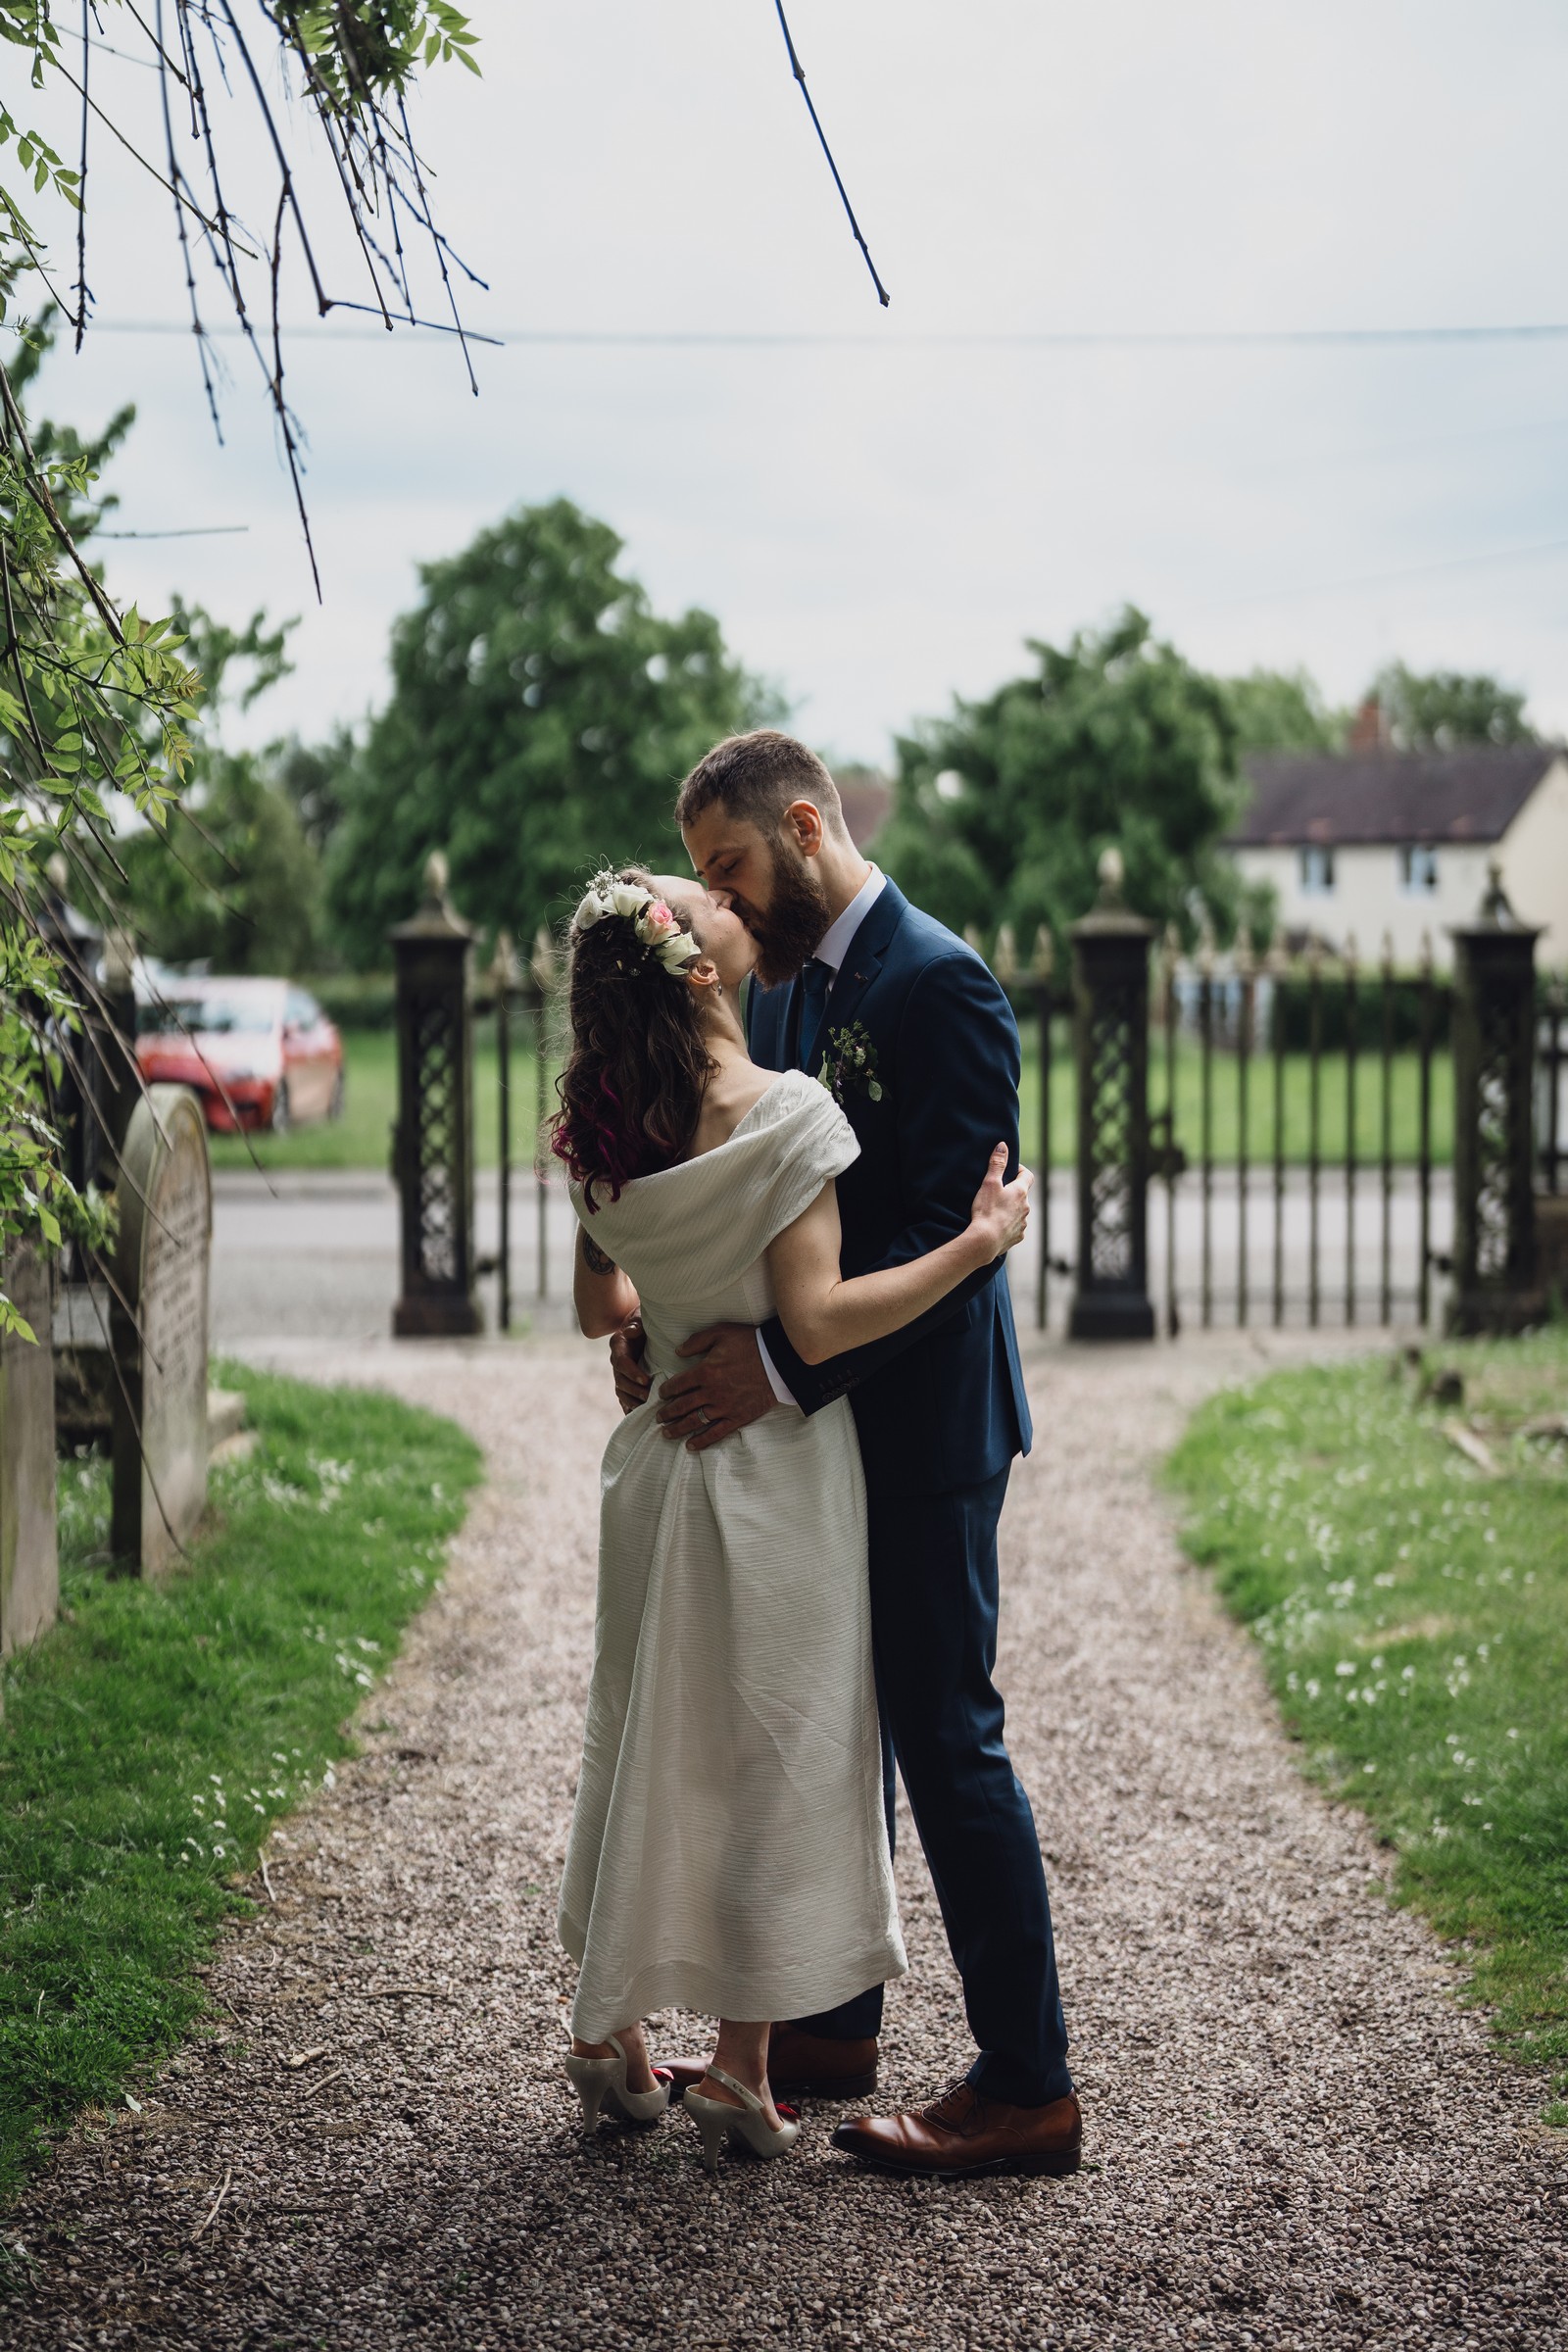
756 777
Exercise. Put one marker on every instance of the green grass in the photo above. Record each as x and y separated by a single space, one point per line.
1413 1616
361 1138
1225 1105
151 1737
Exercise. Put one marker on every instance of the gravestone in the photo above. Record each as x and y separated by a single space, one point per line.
29 1563
159 1326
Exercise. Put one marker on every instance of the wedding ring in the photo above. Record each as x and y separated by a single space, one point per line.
702 1416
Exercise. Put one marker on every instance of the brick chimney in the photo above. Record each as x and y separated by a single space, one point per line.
1369 728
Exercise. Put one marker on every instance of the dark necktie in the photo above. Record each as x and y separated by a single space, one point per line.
817 978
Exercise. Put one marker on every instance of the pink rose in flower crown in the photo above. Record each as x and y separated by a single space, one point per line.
656 924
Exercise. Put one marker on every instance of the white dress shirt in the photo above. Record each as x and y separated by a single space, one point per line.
831 948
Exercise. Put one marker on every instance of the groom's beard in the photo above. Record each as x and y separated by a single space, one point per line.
798 914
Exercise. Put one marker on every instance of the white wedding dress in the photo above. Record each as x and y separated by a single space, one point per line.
729 1853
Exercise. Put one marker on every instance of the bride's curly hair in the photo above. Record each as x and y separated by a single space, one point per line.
638 1062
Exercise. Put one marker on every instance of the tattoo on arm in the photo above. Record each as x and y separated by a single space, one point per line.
593 1257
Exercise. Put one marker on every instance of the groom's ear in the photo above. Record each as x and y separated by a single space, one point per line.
802 824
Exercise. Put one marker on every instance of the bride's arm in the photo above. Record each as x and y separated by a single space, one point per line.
604 1296
823 1314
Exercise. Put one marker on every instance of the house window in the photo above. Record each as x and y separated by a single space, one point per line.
1418 867
1317 872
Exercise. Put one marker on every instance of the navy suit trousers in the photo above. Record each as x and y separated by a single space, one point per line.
934 1598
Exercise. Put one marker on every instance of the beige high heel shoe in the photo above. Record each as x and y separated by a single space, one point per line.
601 2083
746 2123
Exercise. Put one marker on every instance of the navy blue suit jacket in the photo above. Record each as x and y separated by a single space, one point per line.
940 1404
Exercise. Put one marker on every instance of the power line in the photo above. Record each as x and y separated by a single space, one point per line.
200 530
1380 579
726 339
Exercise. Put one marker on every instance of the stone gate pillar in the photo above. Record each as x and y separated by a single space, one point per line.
1110 998
432 1142
158 1326
1495 1283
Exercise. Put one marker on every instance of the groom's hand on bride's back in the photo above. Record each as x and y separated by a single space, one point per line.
725 1389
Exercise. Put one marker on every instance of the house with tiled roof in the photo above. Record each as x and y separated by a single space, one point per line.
1373 840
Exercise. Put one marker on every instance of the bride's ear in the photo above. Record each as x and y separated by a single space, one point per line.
703 976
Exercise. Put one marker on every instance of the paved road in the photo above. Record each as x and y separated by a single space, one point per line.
1296 2136
314 1256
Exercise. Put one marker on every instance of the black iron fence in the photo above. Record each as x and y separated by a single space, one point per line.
1285 1139
1552 1078
1320 1128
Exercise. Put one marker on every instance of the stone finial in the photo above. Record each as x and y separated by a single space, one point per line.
1206 946
1495 911
1242 957
1278 954
1112 872
1043 960
1004 962
437 878
503 971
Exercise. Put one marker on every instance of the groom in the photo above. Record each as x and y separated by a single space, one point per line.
921 1050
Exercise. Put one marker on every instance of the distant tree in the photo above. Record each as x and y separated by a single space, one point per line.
232 878
1282 710
243 890
1002 809
1432 712
541 718
310 775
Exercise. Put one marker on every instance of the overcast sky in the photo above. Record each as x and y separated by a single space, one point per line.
879 523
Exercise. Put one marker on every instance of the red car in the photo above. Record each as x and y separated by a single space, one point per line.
259 1052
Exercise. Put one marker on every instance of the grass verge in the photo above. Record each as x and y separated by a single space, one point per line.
362 1137
1413 1607
151 1737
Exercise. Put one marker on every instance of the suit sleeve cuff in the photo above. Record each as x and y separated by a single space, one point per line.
775 1379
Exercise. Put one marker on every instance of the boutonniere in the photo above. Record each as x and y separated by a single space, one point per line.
849 1066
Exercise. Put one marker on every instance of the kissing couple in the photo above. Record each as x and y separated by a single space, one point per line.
782 1087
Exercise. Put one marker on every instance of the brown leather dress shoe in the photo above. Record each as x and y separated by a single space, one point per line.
808 2066
684 2075
800 2066
962 2132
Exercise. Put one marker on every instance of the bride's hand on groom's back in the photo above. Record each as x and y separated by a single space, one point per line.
999 1217
632 1380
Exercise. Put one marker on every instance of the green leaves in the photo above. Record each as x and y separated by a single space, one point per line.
89 703
360 53
541 720
1004 809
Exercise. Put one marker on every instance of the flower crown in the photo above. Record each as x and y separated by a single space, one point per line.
653 923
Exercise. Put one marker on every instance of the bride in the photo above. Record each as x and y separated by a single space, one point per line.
728 1850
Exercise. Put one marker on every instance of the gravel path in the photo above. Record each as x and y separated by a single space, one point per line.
1294 2136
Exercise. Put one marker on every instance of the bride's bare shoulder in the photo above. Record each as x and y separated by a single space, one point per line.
731 1093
